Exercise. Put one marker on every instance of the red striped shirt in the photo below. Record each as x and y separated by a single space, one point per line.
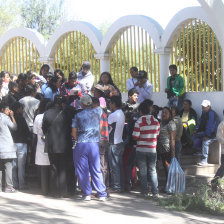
146 132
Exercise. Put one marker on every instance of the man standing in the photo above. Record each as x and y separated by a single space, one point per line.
30 104
143 86
131 83
86 131
116 122
175 88
56 127
130 109
85 76
205 131
146 131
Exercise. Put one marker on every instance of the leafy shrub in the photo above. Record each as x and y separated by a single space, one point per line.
203 200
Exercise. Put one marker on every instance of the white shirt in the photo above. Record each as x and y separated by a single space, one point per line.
41 157
4 89
144 92
87 80
116 122
131 83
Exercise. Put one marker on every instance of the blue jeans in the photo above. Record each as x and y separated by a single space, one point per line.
198 142
147 167
18 166
177 102
115 160
178 147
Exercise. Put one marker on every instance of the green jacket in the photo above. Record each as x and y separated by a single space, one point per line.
178 87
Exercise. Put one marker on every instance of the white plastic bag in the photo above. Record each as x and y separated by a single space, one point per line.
176 178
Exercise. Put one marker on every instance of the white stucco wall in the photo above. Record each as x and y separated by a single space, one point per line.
216 98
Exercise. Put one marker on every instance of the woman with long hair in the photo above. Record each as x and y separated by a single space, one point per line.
110 89
166 140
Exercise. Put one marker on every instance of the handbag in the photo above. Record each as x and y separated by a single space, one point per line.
163 148
176 178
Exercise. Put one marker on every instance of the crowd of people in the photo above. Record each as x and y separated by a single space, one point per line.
82 135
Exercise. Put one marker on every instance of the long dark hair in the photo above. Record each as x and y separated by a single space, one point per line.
52 84
110 81
167 108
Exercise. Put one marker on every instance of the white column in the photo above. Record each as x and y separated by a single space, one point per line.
49 61
104 62
164 62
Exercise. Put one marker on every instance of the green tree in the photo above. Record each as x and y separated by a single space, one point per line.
42 15
9 16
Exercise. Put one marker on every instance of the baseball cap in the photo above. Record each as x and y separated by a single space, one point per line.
86 100
206 103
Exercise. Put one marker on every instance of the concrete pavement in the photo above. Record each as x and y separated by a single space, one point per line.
16 208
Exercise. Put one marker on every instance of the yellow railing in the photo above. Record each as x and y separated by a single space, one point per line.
198 55
133 47
72 50
19 56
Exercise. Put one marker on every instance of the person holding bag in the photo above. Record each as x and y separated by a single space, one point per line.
166 140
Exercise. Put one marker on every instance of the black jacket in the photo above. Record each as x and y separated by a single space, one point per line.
192 114
57 129
22 133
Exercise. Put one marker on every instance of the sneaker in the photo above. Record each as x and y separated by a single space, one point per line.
10 190
103 198
86 198
202 164
155 196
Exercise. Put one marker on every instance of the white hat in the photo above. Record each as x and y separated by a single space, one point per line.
86 100
206 103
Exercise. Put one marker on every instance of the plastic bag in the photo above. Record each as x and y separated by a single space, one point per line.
176 178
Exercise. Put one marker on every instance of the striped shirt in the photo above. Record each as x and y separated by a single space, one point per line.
104 127
146 132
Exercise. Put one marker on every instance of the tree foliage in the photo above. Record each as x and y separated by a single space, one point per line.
42 15
9 15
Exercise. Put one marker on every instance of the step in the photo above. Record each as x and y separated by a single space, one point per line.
200 170
192 180
189 159
198 179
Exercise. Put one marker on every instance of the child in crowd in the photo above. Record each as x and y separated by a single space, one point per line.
5 76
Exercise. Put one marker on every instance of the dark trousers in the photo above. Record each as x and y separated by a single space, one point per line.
166 158
6 165
58 175
70 173
44 179
104 145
